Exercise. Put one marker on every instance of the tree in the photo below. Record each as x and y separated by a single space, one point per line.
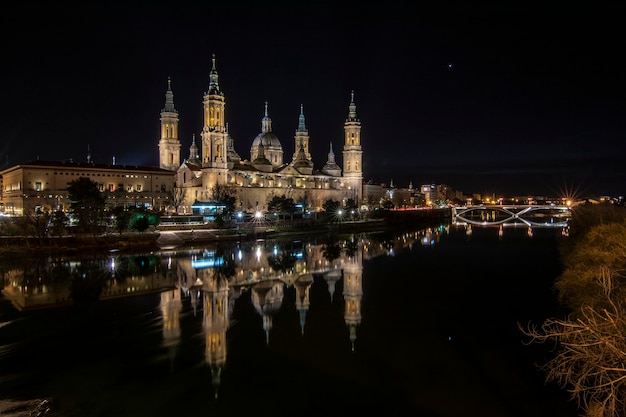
87 205
38 223
223 195
58 223
331 210
331 206
351 208
590 359
588 215
282 205
177 196
602 247
139 222
121 219
387 204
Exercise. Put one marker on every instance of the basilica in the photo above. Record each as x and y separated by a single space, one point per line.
213 163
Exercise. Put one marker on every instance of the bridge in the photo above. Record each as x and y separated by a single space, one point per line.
531 215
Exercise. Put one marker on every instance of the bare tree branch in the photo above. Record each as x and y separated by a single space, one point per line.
590 361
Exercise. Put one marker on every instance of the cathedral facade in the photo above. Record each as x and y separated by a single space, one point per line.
213 162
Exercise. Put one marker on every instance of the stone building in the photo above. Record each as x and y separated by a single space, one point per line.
43 185
213 162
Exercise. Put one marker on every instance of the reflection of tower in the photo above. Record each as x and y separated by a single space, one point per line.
303 288
170 310
194 295
353 292
215 324
187 280
267 296
331 279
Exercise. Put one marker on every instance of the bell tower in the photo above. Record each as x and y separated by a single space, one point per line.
214 146
352 153
169 144
301 137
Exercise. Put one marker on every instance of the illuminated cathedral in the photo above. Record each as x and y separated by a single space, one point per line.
214 162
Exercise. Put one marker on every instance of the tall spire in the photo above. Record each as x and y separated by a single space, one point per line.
214 87
266 123
169 97
301 126
331 167
193 151
331 154
301 137
352 109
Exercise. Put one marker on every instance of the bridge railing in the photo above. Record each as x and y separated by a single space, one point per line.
531 215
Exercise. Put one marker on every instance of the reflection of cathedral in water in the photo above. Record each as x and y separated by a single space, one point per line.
266 276
264 271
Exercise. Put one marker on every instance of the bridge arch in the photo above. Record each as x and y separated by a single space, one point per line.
529 215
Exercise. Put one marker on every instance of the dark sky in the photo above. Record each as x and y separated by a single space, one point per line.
512 99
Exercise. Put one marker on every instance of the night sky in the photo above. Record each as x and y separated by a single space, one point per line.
513 99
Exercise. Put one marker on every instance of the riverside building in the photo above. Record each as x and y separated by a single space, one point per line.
179 183
213 161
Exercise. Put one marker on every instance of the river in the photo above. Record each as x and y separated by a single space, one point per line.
420 323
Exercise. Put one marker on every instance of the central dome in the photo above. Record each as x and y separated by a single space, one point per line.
266 143
268 140
271 148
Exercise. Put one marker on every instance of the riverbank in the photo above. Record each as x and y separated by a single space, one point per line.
167 236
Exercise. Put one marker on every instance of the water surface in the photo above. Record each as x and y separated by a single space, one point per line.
421 323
